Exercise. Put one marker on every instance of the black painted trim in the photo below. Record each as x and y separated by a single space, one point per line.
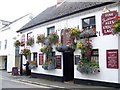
47 77
96 83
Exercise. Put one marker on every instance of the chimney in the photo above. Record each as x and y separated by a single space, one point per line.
59 1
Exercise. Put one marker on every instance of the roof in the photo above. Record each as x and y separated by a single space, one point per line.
6 23
65 9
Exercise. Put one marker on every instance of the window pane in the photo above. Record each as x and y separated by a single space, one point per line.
88 22
50 30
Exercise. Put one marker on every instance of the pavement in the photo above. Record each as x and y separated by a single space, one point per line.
48 83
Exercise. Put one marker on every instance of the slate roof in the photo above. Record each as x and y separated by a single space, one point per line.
65 9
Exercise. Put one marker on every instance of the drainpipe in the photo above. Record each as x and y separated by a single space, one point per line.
21 61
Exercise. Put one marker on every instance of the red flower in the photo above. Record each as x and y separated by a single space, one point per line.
94 29
116 18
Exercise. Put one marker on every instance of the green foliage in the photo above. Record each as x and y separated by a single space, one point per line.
17 43
46 49
116 27
53 38
26 52
40 38
30 41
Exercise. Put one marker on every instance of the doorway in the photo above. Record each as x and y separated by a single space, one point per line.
68 66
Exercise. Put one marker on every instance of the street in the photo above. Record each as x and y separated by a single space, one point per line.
6 82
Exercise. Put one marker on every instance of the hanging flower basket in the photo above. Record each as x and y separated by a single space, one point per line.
88 33
33 65
26 52
49 65
74 33
30 41
17 43
46 49
116 25
86 67
40 38
64 48
53 38
47 42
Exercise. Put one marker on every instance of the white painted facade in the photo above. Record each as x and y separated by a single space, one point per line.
101 42
9 34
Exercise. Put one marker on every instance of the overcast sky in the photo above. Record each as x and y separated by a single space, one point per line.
13 9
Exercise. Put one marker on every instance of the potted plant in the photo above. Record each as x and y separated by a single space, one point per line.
17 43
53 38
88 32
30 41
46 49
116 25
49 64
86 67
33 64
74 33
26 52
40 38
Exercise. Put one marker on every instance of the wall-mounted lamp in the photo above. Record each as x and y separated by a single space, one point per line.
106 9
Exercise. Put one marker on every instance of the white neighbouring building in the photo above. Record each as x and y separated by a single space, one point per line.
9 56
106 46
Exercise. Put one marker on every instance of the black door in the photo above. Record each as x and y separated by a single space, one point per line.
68 66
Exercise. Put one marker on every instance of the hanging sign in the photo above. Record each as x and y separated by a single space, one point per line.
108 20
23 40
112 58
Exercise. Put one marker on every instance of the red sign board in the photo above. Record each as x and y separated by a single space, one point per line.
112 58
41 59
58 61
108 20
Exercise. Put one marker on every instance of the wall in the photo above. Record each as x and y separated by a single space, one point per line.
9 34
101 42
2 63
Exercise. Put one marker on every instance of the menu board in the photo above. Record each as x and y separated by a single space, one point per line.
112 58
108 20
77 59
58 61
15 71
41 59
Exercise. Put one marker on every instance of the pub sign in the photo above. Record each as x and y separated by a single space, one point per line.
108 19
112 59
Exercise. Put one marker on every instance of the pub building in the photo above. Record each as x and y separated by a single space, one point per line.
75 41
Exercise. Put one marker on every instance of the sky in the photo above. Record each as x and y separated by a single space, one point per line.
13 9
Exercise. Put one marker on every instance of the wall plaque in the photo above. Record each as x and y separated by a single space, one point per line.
112 58
58 61
108 20
77 59
41 59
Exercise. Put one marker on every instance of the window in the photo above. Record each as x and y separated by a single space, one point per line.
5 44
17 51
34 56
50 30
95 55
89 27
29 35
88 22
